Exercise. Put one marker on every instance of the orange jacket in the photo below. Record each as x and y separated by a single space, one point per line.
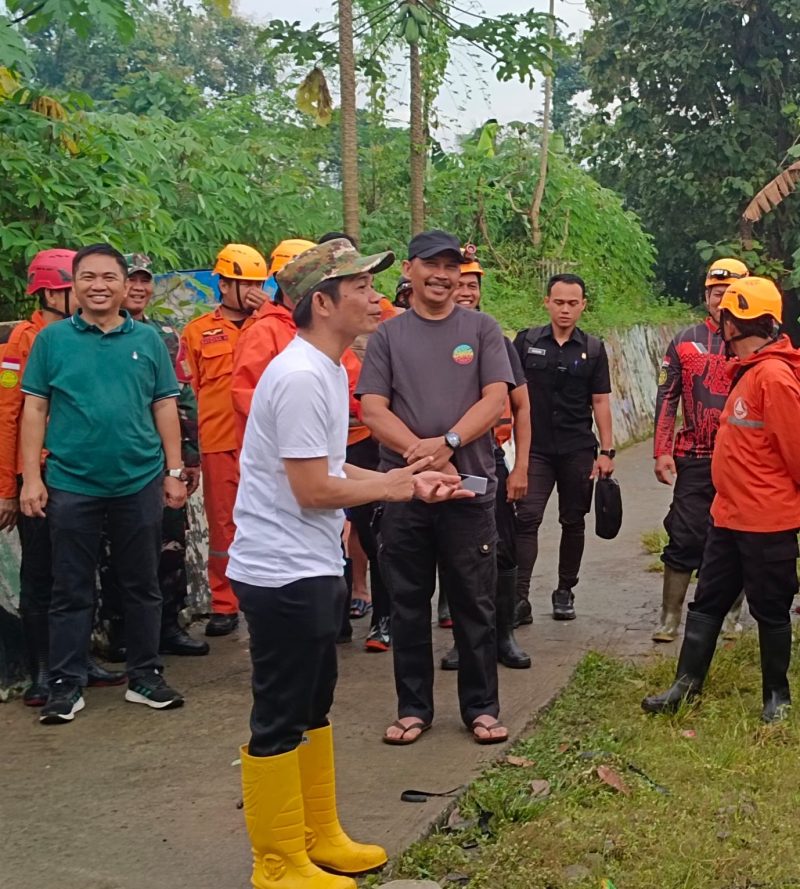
12 366
271 332
207 347
357 430
756 461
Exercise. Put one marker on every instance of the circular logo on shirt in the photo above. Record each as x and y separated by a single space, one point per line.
9 379
463 354
662 377
740 408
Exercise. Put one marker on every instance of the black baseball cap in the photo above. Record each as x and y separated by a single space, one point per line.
432 243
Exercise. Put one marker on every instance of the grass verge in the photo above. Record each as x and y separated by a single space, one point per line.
709 797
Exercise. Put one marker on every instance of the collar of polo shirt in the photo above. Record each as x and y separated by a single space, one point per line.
80 323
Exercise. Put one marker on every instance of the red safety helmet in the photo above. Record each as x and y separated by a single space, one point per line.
51 269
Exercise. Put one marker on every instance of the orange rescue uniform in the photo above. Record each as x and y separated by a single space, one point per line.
12 366
756 462
270 333
206 356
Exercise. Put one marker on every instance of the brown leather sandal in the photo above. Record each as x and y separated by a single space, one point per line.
402 741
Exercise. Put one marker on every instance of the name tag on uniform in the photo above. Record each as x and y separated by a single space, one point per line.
532 350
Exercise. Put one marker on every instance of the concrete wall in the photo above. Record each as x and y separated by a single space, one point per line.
634 357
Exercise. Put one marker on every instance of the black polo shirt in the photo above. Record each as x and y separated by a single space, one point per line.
561 383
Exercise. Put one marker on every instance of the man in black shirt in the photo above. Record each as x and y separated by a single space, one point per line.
569 385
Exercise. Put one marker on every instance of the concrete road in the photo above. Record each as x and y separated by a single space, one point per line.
127 798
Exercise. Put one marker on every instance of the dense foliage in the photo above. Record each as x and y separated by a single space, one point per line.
698 106
162 146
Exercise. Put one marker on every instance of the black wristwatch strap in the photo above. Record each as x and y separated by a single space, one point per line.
610 454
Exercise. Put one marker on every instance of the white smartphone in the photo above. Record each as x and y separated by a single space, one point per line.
476 483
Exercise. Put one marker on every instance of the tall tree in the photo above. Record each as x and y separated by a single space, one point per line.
698 105
347 85
536 205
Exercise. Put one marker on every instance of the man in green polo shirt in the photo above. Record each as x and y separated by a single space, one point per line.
101 398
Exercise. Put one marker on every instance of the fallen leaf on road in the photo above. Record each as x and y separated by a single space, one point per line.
520 761
540 787
611 777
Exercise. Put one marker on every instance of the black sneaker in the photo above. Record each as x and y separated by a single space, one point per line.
153 691
63 702
563 608
222 624
379 637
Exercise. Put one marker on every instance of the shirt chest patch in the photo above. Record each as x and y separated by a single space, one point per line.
740 410
215 335
463 354
534 350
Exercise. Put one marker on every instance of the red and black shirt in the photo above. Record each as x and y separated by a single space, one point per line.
694 375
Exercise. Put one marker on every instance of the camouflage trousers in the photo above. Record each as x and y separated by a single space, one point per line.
172 578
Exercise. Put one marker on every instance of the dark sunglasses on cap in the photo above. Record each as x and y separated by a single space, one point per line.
723 273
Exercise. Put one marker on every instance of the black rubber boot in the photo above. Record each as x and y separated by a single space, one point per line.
99 677
37 643
509 654
776 651
699 643
450 660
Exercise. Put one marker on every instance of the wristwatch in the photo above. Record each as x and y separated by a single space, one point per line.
174 473
453 440
610 454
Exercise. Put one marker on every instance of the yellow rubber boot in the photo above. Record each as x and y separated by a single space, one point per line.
273 811
328 845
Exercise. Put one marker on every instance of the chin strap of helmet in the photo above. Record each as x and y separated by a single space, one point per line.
729 353
62 314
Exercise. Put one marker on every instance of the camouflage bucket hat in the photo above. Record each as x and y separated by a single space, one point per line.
138 262
333 259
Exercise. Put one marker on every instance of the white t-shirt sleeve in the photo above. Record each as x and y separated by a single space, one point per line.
302 416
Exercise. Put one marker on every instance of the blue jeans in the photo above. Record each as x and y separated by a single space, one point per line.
76 524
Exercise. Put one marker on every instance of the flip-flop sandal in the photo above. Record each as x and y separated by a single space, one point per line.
488 727
402 741
360 608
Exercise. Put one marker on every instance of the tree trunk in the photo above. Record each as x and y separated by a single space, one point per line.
536 204
418 147
347 78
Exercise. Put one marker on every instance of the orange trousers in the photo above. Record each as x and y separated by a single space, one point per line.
220 481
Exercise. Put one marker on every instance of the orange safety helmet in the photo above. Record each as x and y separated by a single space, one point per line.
752 298
241 263
725 271
286 251
469 261
472 268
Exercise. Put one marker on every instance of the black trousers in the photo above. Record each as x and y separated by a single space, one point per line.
505 517
687 522
569 474
172 575
134 529
35 570
461 537
365 454
293 632
764 565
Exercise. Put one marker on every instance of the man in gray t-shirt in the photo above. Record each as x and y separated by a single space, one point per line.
434 382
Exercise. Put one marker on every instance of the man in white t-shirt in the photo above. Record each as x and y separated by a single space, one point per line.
286 568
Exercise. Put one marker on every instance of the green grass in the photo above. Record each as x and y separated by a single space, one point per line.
726 821
653 542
